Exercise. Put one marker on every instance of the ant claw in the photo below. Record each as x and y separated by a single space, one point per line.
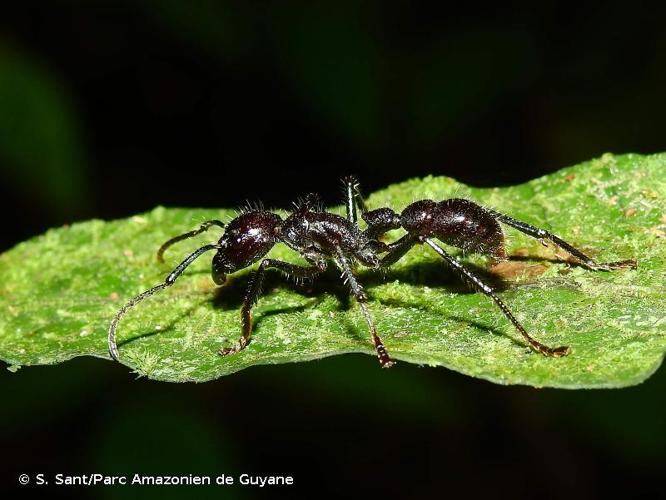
225 351
623 264
610 266
387 364
558 352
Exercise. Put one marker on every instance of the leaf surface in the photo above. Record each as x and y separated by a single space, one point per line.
59 291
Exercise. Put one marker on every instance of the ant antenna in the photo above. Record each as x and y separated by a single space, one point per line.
202 228
113 347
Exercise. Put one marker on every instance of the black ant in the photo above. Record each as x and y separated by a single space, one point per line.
322 237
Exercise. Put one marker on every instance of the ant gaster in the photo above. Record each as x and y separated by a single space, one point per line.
322 237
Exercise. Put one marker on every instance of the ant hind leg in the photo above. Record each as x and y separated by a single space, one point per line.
542 234
473 280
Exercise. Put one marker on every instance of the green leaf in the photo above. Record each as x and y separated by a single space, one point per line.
59 291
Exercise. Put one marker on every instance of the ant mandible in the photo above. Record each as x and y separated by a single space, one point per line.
322 237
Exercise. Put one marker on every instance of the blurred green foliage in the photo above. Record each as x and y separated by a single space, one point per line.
399 89
127 426
178 441
41 140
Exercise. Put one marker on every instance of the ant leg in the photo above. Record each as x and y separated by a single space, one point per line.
398 249
254 289
542 234
202 228
113 348
555 352
361 297
353 198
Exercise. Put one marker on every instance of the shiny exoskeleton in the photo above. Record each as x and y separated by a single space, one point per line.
322 237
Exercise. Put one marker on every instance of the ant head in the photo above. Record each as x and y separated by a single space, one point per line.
246 239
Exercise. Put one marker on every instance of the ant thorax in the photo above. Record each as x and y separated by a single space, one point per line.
322 233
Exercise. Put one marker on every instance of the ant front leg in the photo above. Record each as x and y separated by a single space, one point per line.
353 198
254 289
202 228
361 297
542 234
476 282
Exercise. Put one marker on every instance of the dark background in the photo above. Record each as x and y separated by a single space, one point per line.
111 108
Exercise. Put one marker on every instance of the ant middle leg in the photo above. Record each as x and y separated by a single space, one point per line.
476 282
202 228
542 234
398 249
254 290
362 298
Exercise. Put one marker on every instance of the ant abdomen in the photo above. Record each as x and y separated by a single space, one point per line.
456 222
419 218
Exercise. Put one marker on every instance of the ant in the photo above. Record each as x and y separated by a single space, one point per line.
322 237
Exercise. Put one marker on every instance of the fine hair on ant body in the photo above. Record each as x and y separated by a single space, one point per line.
322 237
